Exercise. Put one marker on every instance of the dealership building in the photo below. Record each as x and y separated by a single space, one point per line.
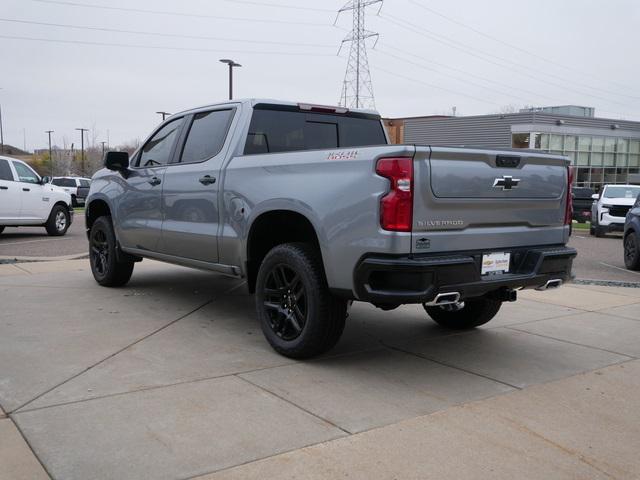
602 150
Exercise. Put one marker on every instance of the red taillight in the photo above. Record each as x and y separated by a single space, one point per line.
568 214
396 207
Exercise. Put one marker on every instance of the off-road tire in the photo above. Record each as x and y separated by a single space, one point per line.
475 312
600 231
58 222
299 268
632 251
107 269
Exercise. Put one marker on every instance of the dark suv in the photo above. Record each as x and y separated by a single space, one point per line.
632 237
582 200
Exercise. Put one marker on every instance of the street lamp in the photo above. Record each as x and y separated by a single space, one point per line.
231 64
82 130
50 154
164 115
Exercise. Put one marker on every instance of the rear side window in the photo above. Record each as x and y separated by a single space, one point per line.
157 151
5 171
206 135
64 182
287 131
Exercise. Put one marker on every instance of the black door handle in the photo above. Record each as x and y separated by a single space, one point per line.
207 180
26 189
4 188
154 181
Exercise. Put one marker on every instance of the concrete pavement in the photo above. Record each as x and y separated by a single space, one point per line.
170 377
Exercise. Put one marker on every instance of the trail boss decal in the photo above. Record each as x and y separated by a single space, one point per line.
344 155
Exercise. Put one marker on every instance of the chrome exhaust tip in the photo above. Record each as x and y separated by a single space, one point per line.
444 299
555 283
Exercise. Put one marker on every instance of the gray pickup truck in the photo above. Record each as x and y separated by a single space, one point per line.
313 207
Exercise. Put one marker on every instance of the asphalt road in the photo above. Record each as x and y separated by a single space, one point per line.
34 241
598 258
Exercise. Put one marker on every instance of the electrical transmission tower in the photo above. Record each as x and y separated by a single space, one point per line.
357 90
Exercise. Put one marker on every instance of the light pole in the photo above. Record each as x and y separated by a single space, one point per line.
164 115
50 154
82 130
231 64
103 143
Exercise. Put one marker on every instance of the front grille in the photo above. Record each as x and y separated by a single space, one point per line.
619 210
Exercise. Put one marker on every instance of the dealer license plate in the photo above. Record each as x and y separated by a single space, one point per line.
497 262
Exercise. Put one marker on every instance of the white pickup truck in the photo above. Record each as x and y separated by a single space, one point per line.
28 200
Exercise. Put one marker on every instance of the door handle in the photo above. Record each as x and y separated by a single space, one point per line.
207 180
4 188
154 181
26 189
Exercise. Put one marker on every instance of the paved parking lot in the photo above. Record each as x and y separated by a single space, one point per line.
598 258
170 378
34 242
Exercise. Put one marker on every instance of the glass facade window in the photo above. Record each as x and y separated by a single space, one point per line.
520 140
598 159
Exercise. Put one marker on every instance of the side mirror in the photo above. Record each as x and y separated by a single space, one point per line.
46 180
117 161
595 196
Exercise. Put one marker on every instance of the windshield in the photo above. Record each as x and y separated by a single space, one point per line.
621 192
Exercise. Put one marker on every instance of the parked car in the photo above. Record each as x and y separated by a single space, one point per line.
77 187
632 237
313 207
610 208
582 203
28 200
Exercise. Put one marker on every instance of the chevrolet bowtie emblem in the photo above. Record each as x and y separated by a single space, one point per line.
507 182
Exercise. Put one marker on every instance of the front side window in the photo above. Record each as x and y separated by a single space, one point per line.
157 151
25 174
85 183
206 135
5 171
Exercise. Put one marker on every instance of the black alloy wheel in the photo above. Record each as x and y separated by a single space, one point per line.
285 299
100 252
632 252
108 270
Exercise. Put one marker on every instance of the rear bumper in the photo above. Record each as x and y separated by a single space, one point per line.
418 279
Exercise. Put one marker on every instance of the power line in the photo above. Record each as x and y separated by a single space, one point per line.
155 47
425 67
467 73
515 47
431 85
527 101
481 55
180 14
277 5
162 34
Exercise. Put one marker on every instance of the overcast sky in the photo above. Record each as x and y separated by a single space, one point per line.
478 56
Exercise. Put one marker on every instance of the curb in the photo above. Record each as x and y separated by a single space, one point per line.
13 259
605 283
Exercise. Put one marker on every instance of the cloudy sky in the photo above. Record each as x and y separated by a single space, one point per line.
74 63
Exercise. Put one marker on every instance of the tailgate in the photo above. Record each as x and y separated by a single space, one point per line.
468 199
